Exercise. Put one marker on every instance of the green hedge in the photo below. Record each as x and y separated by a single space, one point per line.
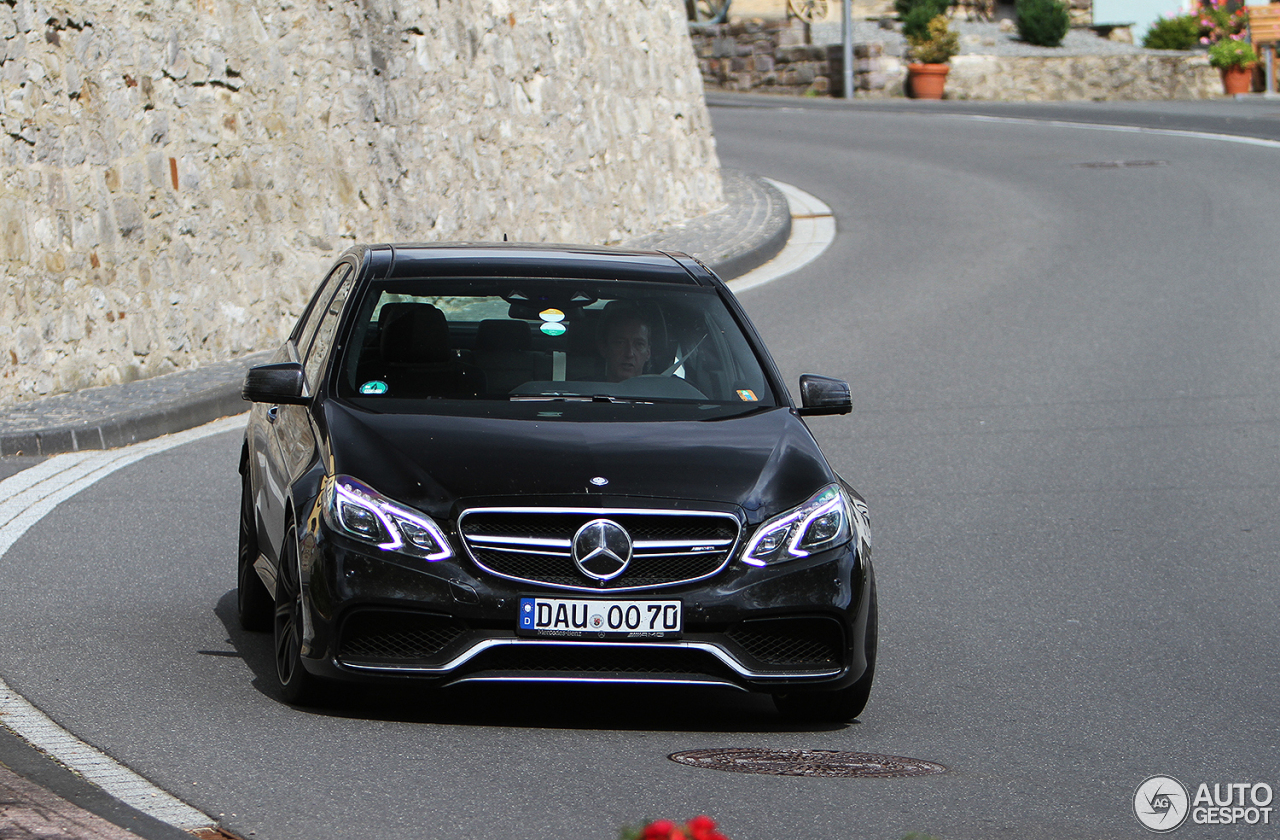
1042 22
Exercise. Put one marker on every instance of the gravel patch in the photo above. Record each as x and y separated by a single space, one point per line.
985 39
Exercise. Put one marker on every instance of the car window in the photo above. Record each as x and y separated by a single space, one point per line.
327 326
310 320
521 340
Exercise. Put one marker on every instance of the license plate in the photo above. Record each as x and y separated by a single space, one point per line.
600 619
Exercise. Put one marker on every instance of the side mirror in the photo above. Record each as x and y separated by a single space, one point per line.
280 384
823 395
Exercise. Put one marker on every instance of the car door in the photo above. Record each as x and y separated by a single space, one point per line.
286 441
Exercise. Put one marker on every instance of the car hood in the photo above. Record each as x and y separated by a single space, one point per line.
763 462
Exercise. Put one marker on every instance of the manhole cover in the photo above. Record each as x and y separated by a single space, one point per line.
828 764
1119 164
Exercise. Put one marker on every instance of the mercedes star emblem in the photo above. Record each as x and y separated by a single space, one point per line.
602 549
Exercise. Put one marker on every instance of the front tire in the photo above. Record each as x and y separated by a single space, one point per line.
844 704
253 602
297 686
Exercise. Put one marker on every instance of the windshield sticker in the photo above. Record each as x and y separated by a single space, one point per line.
553 327
747 395
374 386
551 315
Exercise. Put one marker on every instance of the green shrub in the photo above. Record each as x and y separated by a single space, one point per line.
1232 53
915 23
938 43
934 7
1042 22
1181 32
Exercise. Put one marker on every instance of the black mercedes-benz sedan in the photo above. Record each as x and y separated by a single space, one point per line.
500 462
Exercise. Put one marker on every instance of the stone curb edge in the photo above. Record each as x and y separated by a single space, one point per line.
131 427
114 429
18 756
735 265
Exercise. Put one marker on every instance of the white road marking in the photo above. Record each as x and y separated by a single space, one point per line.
25 499
1127 129
813 228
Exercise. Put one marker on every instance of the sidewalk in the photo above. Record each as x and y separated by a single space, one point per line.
41 799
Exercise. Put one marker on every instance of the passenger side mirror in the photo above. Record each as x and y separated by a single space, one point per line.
280 384
823 395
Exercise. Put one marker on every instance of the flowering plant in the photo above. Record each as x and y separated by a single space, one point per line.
1221 19
699 828
1231 53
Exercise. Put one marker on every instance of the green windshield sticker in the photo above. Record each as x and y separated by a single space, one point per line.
553 328
374 386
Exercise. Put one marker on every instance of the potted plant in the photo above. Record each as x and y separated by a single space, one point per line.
1236 60
930 50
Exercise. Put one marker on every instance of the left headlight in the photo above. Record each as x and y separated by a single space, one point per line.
357 510
821 523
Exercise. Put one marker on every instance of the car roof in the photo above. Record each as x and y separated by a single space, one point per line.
490 259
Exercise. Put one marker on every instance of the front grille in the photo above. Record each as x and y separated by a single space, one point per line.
791 642
535 545
385 637
599 660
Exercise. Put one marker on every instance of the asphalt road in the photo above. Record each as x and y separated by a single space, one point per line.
1065 424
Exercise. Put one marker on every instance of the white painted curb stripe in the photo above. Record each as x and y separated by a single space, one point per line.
25 499
36 728
813 228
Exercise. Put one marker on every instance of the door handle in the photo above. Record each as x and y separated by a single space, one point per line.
273 413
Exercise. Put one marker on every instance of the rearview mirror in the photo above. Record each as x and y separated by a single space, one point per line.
823 395
279 384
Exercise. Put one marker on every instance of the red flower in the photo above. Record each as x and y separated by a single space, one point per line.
703 827
662 830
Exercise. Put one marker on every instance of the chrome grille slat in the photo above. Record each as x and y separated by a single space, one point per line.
670 547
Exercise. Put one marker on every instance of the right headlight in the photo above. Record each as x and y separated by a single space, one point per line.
357 510
824 521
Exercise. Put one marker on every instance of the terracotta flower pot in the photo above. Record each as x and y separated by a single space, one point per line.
926 81
1237 79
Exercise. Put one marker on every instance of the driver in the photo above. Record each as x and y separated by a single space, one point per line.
624 341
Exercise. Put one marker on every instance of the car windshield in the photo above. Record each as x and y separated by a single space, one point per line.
465 345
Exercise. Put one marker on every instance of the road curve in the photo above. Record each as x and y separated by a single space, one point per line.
1061 344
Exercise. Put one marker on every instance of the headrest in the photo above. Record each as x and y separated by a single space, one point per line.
415 333
497 335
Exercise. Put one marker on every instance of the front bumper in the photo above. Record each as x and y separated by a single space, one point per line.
374 615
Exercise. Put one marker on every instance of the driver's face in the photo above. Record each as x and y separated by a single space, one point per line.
625 350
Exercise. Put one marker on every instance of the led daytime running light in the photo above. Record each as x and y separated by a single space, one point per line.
390 516
791 530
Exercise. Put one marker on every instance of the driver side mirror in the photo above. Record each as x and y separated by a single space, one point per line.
279 384
823 395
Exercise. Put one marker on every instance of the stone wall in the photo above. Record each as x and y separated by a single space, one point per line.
1084 77
765 56
176 174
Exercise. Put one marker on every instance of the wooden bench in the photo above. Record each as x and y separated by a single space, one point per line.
1264 32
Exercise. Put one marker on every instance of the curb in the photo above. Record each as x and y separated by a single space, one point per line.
75 792
109 417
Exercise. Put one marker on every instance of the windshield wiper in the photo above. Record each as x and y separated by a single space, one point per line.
601 398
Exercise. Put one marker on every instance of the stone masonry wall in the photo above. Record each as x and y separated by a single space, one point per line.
765 56
175 175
